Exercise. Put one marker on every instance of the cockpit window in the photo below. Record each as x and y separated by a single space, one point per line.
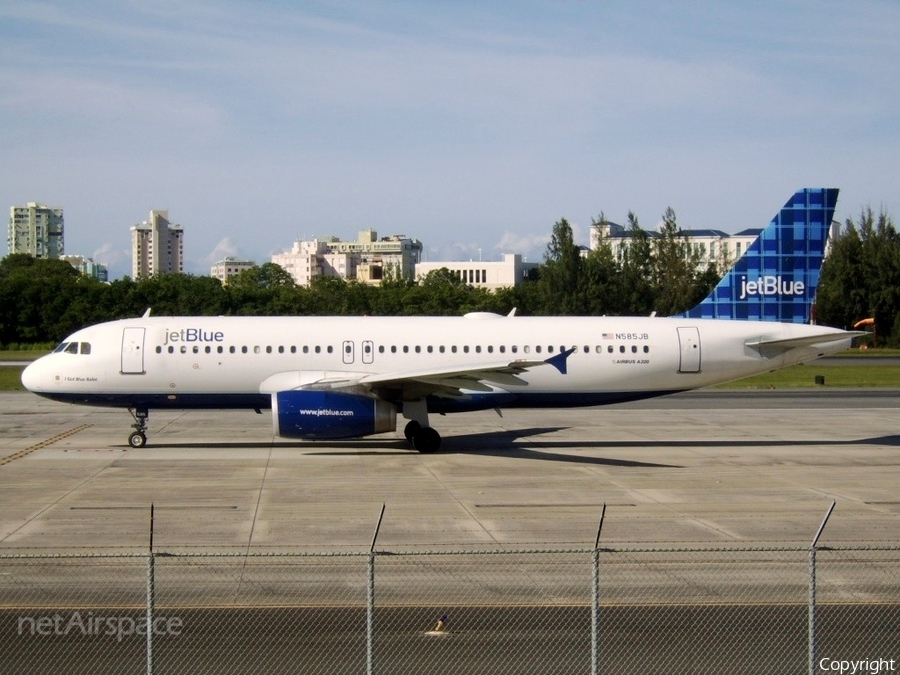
74 348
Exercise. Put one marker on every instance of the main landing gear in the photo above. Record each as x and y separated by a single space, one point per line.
423 437
138 437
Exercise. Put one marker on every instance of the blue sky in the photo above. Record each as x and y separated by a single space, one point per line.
472 126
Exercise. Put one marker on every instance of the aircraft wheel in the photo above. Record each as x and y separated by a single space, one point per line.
410 430
137 440
426 440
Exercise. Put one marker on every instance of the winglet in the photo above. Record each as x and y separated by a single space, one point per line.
559 361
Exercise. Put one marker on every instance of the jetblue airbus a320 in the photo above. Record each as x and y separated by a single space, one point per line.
346 377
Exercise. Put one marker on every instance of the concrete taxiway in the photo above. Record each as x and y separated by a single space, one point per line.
710 468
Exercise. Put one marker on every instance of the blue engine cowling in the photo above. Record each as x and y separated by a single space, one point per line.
315 414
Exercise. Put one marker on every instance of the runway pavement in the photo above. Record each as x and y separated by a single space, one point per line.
712 467
719 469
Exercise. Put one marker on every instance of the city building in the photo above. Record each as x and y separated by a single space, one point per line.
506 273
37 230
367 259
157 246
87 267
712 245
228 268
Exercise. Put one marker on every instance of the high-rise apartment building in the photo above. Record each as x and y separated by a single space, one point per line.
157 246
37 230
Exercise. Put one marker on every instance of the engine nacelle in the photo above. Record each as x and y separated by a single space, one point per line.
313 413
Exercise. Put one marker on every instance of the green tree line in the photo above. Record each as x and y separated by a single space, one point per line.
42 301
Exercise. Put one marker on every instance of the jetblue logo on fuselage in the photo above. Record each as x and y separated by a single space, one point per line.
193 335
771 285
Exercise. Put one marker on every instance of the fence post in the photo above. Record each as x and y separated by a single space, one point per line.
151 593
595 599
812 628
370 601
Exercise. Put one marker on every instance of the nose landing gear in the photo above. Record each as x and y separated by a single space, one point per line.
138 438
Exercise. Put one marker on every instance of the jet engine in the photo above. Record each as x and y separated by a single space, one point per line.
320 414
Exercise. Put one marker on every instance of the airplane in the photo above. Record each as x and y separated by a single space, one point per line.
348 377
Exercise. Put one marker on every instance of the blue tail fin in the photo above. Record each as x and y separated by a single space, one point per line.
776 279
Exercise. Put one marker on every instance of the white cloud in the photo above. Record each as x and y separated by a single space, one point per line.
531 246
225 248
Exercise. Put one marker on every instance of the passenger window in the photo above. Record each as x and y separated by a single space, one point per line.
514 349
466 349
646 349
306 349
393 349
490 349
634 349
220 349
158 350
478 349
256 349
196 349
610 349
208 349
172 349
183 349
244 349
526 349
442 349
268 349
231 350
622 349
318 349
293 349
538 349
418 349
329 349
453 349
405 349
502 349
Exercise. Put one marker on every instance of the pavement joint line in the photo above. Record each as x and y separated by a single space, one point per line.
43 444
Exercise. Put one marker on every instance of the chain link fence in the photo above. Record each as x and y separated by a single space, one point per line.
602 610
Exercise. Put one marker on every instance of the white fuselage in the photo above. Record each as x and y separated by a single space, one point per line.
181 362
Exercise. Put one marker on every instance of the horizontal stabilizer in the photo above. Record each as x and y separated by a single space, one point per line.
804 341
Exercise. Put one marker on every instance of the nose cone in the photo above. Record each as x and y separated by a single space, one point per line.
31 376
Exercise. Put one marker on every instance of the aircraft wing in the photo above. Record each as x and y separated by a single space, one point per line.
450 380
412 384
